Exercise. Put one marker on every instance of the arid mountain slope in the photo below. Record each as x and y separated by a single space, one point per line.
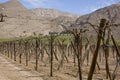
52 13
111 12
55 16
19 20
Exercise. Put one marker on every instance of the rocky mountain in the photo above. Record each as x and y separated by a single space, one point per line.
55 16
19 20
111 12
52 13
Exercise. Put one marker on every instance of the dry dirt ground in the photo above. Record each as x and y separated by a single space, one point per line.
11 71
69 70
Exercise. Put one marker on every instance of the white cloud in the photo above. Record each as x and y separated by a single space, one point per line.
108 2
100 4
94 9
41 3
59 4
35 3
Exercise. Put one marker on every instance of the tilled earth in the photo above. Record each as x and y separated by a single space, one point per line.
11 71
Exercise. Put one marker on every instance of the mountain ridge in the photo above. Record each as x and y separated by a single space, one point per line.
20 19
53 13
110 13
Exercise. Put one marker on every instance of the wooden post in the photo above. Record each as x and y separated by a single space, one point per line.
106 50
100 33
11 50
8 49
51 52
26 45
14 51
20 55
78 49
52 38
36 52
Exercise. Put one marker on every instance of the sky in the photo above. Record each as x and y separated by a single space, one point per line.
73 6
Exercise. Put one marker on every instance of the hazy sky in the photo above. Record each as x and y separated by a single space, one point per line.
74 6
